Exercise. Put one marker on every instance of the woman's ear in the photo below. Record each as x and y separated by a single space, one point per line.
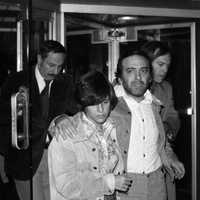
150 82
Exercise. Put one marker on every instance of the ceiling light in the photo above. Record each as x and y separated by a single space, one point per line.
127 18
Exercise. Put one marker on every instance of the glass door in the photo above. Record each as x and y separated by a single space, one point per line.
84 55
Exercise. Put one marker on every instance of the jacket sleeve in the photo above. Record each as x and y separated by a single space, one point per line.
72 179
170 116
5 115
170 153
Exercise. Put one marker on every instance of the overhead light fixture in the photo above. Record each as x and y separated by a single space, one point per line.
127 18
115 33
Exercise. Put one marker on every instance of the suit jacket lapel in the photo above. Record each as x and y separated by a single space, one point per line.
35 94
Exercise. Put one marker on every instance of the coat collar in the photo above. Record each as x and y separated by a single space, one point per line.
88 129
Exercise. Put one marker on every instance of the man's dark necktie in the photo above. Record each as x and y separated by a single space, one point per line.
44 96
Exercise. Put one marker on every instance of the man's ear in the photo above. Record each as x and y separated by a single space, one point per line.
39 59
120 81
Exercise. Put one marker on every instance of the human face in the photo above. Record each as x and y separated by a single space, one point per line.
51 65
135 76
98 113
160 67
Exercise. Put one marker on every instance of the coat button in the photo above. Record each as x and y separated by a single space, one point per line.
93 149
95 167
125 152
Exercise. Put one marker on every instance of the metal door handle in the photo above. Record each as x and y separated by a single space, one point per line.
20 119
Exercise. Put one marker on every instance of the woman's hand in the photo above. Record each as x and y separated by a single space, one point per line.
123 183
3 175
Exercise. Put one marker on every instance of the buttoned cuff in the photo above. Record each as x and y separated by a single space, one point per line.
110 181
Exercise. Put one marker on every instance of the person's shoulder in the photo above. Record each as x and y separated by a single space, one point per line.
64 80
72 123
166 84
59 144
15 79
64 77
120 110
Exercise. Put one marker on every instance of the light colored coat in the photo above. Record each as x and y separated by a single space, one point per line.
75 164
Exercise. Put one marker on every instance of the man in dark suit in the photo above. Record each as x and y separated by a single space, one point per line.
50 95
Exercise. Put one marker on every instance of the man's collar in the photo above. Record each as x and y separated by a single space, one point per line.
40 79
148 96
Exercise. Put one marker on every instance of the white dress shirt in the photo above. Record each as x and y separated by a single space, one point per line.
40 80
143 156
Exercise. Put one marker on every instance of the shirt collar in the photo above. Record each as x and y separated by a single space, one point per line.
40 80
120 92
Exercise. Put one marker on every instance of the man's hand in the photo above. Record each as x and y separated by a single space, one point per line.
62 126
170 133
3 175
178 169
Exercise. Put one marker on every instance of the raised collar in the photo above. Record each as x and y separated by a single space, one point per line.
87 128
148 96
40 80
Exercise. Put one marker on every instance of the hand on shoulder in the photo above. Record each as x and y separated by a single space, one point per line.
62 126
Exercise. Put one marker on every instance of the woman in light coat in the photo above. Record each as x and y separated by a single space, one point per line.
88 165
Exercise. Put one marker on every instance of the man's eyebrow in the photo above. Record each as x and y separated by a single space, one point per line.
145 67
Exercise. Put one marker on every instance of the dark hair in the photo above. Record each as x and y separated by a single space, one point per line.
118 73
51 46
154 49
93 88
